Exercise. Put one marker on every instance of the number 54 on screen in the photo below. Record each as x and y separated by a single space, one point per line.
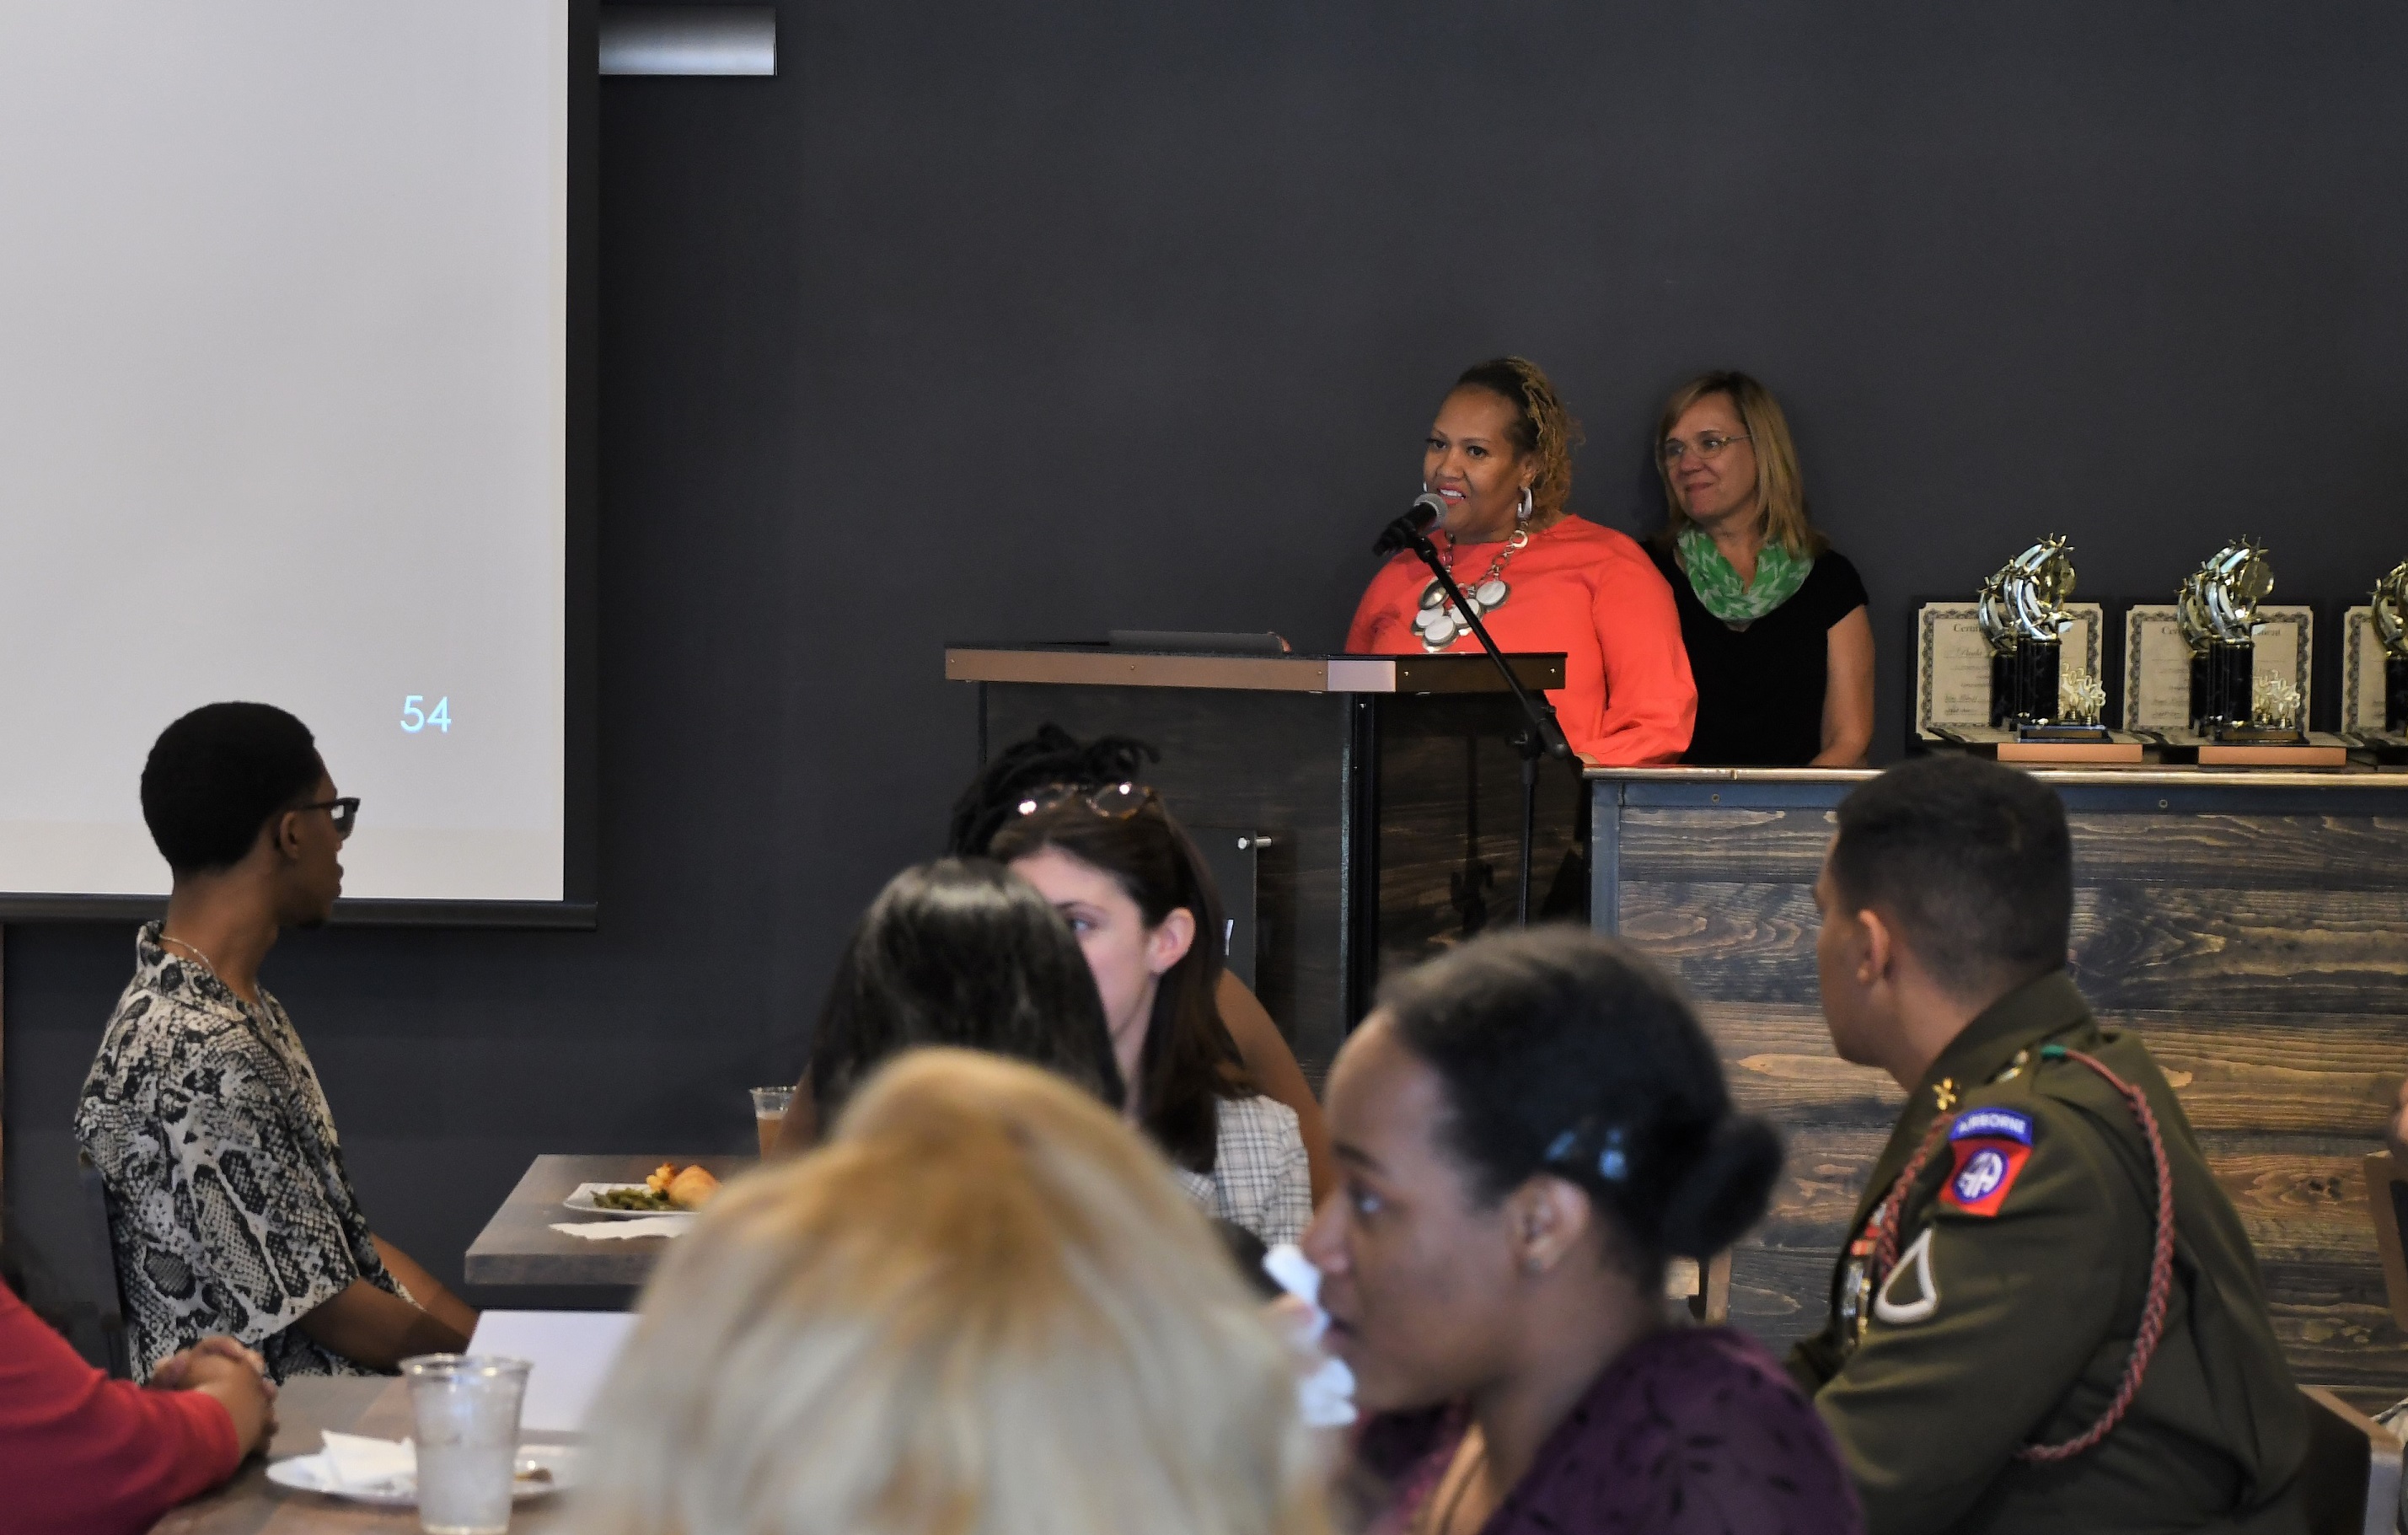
414 719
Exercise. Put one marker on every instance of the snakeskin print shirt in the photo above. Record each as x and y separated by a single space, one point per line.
229 1208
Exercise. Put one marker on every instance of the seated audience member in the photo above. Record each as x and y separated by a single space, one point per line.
962 952
2015 1343
1772 616
1135 892
83 1454
1529 1127
1051 759
231 1208
981 1306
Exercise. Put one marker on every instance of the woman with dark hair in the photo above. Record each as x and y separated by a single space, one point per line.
1773 617
1052 760
961 952
1135 891
1499 454
1528 1127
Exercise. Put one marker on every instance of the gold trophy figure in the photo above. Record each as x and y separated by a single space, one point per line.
2217 606
2391 604
2023 616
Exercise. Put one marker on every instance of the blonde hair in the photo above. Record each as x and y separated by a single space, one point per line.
982 1308
1780 489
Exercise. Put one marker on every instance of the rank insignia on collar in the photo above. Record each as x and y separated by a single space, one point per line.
1944 1094
1991 1146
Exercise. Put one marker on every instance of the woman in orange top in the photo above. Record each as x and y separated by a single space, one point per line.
1500 456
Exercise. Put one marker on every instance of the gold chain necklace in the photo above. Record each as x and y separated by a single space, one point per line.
193 949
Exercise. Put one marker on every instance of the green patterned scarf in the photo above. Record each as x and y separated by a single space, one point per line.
1778 576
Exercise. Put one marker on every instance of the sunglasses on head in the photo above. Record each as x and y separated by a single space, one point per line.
1114 801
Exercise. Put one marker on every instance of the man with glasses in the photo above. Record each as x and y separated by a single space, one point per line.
230 1209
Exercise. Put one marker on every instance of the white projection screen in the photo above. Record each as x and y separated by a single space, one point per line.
289 411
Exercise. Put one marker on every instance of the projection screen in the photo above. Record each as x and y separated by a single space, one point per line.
288 412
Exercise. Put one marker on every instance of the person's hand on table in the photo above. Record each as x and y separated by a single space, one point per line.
236 1376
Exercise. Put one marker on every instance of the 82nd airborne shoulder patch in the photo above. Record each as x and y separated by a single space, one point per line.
1992 1146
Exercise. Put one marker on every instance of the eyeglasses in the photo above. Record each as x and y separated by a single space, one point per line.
1709 446
344 811
1114 801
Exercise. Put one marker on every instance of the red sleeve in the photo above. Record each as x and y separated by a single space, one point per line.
1651 702
1363 634
80 1453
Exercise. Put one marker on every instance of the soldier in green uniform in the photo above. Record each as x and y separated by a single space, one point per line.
2047 1316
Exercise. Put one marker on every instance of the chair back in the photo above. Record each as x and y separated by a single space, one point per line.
1704 1288
102 1260
2350 1484
2387 1200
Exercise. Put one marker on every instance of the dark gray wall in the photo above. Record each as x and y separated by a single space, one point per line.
989 321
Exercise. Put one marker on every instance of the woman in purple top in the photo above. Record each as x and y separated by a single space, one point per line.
1527 1128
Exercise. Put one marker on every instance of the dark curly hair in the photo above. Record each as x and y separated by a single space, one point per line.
1562 1051
217 775
1541 426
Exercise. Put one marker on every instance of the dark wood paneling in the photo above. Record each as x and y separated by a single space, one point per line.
2253 851
2183 948
1451 821
1763 846
1266 761
1726 941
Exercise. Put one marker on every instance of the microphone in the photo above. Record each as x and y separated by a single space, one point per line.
1428 508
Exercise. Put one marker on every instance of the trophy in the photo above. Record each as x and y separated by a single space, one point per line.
2217 606
2391 604
2022 617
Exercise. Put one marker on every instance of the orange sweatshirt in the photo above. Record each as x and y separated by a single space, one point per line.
1586 591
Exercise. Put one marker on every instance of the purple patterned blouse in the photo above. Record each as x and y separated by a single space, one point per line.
1692 1431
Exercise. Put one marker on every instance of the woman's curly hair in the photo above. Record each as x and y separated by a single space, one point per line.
1541 426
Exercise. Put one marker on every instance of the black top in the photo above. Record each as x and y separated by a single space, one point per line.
1760 688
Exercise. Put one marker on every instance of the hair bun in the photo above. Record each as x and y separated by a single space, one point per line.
1725 1189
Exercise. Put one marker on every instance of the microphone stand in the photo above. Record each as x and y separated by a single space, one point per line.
1541 735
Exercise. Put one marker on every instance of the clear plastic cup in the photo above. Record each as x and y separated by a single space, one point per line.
770 1106
467 1413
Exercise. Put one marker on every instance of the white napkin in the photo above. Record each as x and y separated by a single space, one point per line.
358 1464
650 1226
1325 1397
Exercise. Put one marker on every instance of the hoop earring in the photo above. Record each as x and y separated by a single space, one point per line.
1522 513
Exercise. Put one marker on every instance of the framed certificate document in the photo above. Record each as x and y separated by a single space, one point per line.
2157 660
2361 671
1952 661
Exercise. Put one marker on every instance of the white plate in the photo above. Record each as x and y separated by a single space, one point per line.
310 1473
581 1201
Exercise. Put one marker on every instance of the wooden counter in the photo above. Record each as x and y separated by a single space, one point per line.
2253 927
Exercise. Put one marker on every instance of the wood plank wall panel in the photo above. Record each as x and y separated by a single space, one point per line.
2263 957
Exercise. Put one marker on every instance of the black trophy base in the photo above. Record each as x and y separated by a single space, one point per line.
2224 688
2064 732
2254 735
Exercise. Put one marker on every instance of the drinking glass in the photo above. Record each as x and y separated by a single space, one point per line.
467 1412
770 1106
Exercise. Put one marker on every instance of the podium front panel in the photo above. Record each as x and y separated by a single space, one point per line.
1388 823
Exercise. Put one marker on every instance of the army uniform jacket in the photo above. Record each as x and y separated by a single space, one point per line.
2009 1317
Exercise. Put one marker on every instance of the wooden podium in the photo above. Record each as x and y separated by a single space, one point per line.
1361 813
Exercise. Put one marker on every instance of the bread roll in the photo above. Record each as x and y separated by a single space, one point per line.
693 1188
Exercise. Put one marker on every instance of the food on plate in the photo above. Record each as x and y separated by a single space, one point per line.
693 1188
629 1196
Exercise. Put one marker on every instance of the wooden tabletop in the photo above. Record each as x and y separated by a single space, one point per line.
521 1262
378 1405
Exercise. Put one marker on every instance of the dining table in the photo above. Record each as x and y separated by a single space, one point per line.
305 1408
519 1261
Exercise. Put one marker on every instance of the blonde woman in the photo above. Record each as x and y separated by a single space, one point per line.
982 1308
1773 617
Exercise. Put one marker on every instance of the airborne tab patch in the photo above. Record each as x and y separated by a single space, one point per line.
1991 1146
